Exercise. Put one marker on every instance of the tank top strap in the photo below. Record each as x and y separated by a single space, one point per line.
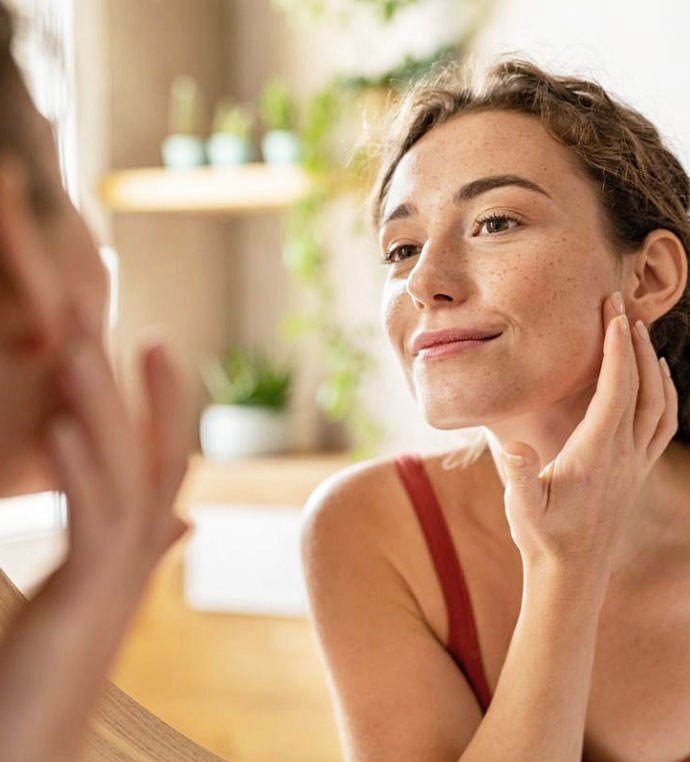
463 643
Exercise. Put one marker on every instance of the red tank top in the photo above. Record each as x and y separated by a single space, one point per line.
463 643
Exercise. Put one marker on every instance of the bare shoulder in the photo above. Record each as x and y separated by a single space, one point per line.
370 499
355 499
396 688
350 543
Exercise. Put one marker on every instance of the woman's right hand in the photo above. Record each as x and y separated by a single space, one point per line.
573 511
120 474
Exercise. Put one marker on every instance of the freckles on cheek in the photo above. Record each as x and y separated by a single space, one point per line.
558 291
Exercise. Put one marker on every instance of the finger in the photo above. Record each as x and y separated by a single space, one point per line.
612 395
75 469
96 402
651 401
523 483
169 418
627 420
668 424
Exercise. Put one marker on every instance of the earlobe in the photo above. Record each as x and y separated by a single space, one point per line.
661 275
29 291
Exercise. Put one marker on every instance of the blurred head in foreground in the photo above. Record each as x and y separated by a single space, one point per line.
49 265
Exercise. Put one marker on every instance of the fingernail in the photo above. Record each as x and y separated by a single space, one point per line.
619 302
158 355
155 345
642 330
624 325
518 460
664 366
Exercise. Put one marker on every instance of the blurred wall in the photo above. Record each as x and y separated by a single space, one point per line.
638 50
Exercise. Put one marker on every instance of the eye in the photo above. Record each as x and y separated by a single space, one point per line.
404 249
497 223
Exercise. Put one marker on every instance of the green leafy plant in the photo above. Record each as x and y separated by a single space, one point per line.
185 107
233 118
277 106
244 376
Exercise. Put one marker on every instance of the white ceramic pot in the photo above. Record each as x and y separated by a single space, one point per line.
280 147
183 151
239 431
226 150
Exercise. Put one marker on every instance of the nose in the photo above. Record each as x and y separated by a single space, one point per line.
439 275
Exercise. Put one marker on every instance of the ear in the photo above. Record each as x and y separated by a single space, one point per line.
657 277
30 297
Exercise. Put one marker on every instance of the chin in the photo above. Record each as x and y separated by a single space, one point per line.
446 417
27 471
453 424
462 412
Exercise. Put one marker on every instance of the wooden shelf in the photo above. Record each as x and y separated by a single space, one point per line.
259 479
246 188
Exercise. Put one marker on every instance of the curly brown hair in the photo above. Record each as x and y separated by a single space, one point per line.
13 94
641 184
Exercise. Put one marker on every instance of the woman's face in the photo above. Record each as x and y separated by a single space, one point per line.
60 269
500 230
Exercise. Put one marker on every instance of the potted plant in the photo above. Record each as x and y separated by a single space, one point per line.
280 143
248 413
184 146
230 141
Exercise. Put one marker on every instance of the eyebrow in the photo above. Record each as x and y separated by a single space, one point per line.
467 192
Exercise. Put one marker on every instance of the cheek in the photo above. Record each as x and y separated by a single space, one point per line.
395 305
556 310
386 313
558 290
30 396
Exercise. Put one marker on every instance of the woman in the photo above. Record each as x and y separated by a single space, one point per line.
530 212
65 425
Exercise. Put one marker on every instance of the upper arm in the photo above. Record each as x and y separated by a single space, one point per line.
398 694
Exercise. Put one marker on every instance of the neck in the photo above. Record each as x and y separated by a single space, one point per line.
659 516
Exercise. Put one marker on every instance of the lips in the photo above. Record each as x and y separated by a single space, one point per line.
432 338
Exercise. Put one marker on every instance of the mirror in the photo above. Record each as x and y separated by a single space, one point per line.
222 159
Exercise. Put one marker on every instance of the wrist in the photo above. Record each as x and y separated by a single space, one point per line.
567 581
109 577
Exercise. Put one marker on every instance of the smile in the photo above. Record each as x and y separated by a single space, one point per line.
452 348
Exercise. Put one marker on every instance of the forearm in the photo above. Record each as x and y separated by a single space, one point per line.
55 656
539 707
